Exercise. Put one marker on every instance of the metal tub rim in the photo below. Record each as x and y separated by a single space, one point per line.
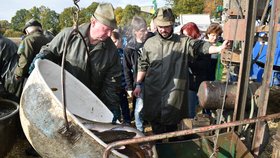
14 111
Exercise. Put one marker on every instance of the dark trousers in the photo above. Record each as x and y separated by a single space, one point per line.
212 69
159 128
124 107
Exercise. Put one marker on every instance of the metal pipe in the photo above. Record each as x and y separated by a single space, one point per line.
211 95
187 132
263 99
245 65
264 12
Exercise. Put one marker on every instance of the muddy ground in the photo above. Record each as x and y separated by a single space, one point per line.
272 131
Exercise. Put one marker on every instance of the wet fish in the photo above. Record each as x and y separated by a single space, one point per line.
109 132
101 127
112 136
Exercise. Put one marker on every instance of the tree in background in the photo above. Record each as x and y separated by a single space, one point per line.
12 33
34 13
52 20
128 13
66 18
86 13
195 6
4 25
187 6
210 7
49 19
18 21
5 29
119 14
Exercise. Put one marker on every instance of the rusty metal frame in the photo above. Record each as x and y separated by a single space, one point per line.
260 126
187 132
238 32
265 28
245 66
276 143
242 90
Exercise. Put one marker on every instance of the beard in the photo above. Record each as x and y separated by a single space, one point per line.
165 34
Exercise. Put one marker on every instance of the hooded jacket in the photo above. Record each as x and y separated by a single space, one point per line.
165 62
100 70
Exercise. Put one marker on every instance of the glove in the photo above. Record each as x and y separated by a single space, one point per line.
32 65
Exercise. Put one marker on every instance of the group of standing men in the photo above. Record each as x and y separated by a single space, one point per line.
155 68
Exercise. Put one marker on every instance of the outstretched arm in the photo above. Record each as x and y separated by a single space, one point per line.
217 49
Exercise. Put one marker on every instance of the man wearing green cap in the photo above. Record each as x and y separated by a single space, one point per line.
100 69
164 65
29 46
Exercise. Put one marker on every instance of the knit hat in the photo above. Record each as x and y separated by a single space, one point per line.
164 17
104 13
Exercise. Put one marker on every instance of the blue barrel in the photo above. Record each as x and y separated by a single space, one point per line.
9 123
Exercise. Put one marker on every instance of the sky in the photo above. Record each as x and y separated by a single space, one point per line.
9 8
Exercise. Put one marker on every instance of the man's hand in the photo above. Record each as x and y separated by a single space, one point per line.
137 91
226 44
217 49
18 78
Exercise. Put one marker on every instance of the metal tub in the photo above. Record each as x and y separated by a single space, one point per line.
9 123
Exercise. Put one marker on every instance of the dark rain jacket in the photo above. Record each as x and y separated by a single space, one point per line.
28 49
100 70
165 62
199 71
132 53
8 50
8 62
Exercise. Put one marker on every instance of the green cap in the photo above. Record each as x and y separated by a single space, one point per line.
164 17
104 13
31 22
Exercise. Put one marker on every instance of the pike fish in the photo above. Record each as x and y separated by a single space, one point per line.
109 133
99 128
